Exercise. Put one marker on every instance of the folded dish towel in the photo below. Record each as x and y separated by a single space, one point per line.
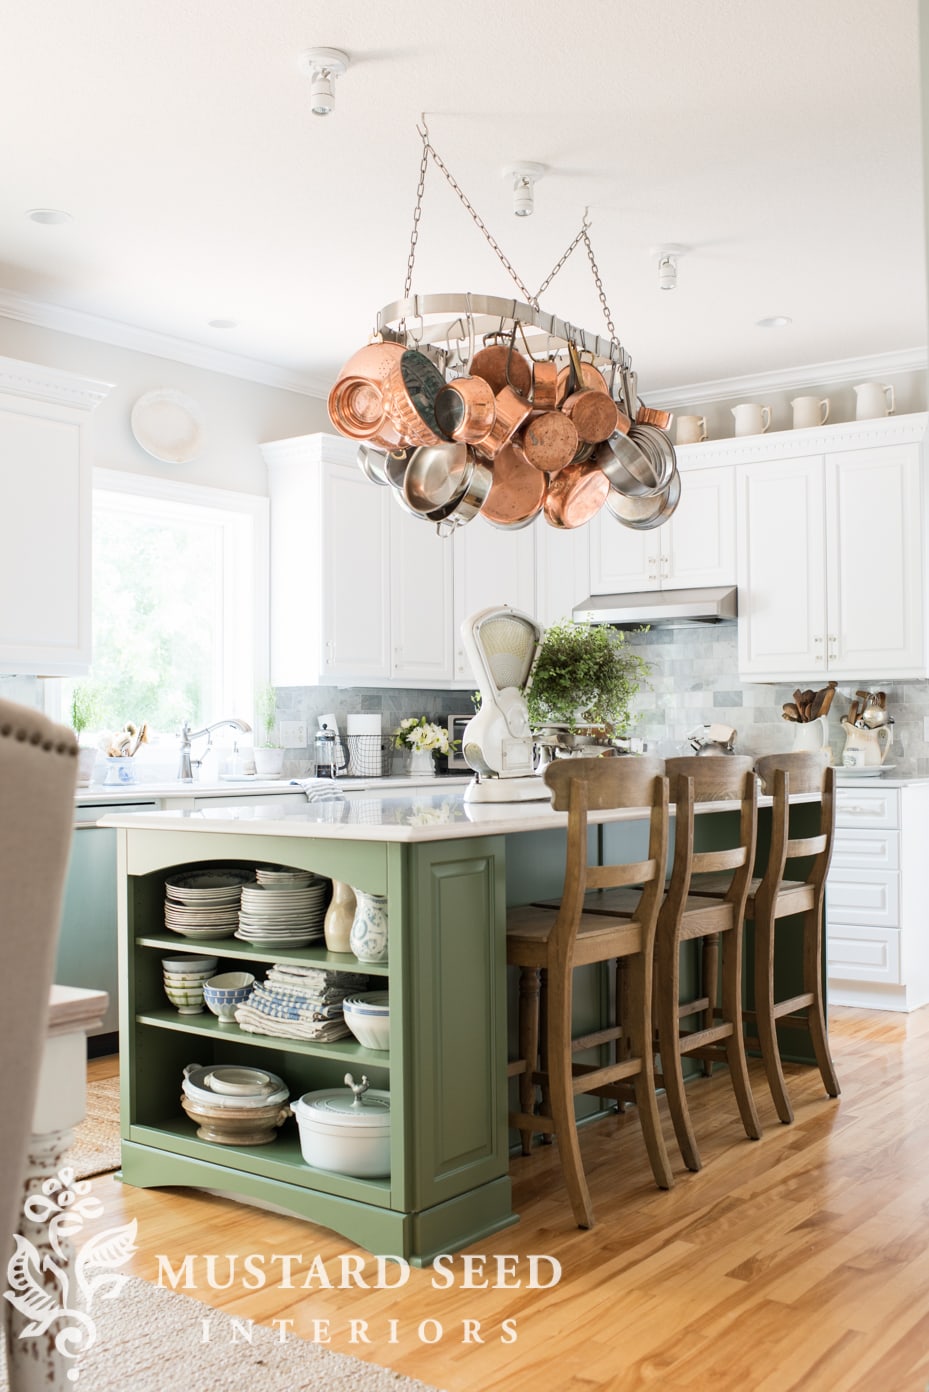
320 789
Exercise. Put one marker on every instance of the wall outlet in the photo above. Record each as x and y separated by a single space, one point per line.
293 734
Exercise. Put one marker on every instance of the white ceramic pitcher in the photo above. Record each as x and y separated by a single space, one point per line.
751 419
809 411
873 399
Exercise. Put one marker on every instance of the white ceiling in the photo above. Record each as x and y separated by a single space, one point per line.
780 142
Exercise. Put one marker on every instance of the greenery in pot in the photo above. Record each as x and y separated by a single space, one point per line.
584 675
85 708
266 703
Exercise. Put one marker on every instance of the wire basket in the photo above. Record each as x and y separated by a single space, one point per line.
369 756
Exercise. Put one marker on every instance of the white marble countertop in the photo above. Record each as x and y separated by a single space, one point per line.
417 815
113 794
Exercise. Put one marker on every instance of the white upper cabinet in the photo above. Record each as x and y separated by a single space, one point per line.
830 567
492 566
562 570
695 547
360 591
45 559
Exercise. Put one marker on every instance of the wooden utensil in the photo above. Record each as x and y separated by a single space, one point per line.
828 694
790 711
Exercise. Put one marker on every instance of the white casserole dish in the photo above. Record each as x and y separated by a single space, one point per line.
346 1132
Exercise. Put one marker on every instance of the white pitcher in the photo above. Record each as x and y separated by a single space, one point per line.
691 429
751 419
809 411
873 399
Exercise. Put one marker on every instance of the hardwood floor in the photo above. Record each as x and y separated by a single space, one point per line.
800 1261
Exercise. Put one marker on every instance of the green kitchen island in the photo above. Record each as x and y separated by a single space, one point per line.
449 869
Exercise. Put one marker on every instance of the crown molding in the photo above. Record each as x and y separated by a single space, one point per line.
787 444
51 384
879 366
158 345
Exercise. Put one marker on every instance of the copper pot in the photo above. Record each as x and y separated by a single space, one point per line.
373 361
594 413
465 409
410 390
575 495
356 407
544 386
501 366
584 376
650 415
511 410
548 441
516 493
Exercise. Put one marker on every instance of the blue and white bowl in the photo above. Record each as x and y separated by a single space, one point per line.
368 1018
224 992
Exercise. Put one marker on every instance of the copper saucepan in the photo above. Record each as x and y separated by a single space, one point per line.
465 409
575 495
650 415
356 407
510 411
548 441
501 365
544 386
516 492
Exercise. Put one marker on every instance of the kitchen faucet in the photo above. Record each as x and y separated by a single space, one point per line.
185 772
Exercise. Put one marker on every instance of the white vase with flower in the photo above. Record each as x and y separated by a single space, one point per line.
423 739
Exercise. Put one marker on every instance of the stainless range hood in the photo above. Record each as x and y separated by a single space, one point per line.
669 608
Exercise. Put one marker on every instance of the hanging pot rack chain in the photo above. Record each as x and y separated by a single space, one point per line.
526 315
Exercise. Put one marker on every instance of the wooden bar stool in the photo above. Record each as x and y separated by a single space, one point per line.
780 892
555 941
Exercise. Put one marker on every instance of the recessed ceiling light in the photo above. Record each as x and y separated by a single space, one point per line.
49 216
223 323
775 321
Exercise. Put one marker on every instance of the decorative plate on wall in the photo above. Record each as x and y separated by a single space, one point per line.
168 426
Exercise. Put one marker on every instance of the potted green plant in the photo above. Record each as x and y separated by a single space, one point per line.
85 713
269 756
584 675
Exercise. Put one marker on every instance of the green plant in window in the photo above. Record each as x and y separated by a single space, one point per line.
266 702
85 708
584 675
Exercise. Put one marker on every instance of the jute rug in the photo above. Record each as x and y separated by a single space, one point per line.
95 1149
149 1339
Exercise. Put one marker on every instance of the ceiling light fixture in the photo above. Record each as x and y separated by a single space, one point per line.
49 217
668 255
323 65
524 176
774 321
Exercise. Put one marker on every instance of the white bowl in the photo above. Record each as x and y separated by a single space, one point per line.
371 1031
190 962
236 1082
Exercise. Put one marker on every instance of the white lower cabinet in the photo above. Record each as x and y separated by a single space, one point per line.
877 898
45 565
360 590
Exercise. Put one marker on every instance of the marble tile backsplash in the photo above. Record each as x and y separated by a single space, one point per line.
695 681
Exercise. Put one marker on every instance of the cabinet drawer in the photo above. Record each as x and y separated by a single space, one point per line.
857 849
863 954
867 807
869 898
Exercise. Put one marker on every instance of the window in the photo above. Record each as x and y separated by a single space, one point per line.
180 598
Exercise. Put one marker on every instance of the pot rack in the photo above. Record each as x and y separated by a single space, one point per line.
490 315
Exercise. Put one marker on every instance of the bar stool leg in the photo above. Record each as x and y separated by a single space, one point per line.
735 1043
560 1075
637 1003
669 975
812 970
710 986
529 978
764 1013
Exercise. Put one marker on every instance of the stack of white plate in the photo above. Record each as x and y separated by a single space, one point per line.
204 903
284 908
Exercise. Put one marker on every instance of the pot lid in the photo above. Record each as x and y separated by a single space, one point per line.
357 1105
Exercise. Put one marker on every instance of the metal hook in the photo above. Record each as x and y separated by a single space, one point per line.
422 129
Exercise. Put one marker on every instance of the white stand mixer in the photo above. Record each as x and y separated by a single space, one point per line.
502 645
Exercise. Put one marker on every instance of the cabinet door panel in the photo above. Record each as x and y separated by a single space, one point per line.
45 556
355 547
622 560
421 600
875 565
562 571
697 545
491 567
781 568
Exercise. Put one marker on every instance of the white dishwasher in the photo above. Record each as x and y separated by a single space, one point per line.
877 896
